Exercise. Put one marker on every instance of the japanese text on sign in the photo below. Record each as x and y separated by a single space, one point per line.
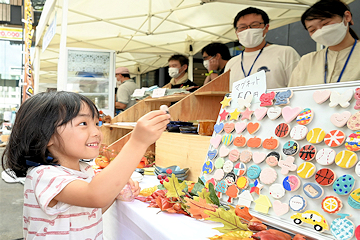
254 84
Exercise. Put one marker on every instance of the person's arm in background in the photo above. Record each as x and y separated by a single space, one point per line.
292 59
213 66
119 105
123 98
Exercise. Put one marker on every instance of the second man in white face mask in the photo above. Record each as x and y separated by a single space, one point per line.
178 65
278 62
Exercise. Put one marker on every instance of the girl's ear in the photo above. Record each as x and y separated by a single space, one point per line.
51 141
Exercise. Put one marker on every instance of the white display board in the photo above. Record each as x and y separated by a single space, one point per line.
303 98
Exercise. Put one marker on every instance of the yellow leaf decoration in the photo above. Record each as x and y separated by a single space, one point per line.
174 188
197 208
228 218
204 194
238 234
148 191
234 235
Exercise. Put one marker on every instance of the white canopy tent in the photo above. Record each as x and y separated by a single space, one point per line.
145 33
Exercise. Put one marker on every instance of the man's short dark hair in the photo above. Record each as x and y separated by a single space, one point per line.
213 48
181 58
252 10
126 75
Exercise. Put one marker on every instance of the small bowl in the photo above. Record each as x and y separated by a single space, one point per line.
188 129
175 169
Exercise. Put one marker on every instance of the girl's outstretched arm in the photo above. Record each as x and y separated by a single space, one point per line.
107 184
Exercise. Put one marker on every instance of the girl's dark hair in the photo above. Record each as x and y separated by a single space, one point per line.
326 9
36 121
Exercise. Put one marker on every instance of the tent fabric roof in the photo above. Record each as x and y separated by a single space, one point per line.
145 33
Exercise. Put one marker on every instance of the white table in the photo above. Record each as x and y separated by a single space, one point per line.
135 221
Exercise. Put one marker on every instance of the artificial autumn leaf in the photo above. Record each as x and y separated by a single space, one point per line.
272 234
174 188
228 218
214 198
236 235
148 191
197 208
163 203
204 194
198 187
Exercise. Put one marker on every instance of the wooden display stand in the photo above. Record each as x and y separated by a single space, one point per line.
184 150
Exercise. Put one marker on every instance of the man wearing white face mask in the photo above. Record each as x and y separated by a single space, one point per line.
278 62
328 23
178 65
215 56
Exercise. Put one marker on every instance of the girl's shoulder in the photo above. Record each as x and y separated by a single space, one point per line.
46 169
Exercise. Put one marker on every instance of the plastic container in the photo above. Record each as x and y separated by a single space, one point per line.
126 194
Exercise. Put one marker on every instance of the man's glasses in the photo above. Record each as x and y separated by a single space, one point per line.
243 27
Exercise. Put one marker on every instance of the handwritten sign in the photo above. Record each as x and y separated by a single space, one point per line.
254 84
139 92
159 92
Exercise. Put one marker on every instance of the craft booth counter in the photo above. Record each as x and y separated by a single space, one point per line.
135 221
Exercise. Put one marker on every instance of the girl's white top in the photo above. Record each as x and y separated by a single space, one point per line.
62 221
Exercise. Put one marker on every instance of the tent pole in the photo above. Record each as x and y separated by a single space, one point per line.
36 71
191 68
61 71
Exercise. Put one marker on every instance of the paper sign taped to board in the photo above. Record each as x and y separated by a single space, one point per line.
159 92
139 92
254 84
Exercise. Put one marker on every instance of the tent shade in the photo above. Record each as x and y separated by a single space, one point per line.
145 33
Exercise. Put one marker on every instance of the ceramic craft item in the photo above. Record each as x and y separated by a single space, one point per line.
352 142
289 113
305 116
260 113
287 165
235 115
340 119
342 228
245 102
321 96
313 218
298 132
354 122
341 99
267 99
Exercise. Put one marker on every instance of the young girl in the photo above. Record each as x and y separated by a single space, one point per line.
62 197
328 23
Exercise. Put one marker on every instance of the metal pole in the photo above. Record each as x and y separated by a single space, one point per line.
61 71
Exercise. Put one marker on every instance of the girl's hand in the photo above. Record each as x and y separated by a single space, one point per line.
150 127
134 187
129 192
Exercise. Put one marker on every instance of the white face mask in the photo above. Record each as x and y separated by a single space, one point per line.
251 37
330 35
206 63
174 72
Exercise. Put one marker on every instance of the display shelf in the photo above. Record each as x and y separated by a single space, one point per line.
118 126
170 98
184 150
212 93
